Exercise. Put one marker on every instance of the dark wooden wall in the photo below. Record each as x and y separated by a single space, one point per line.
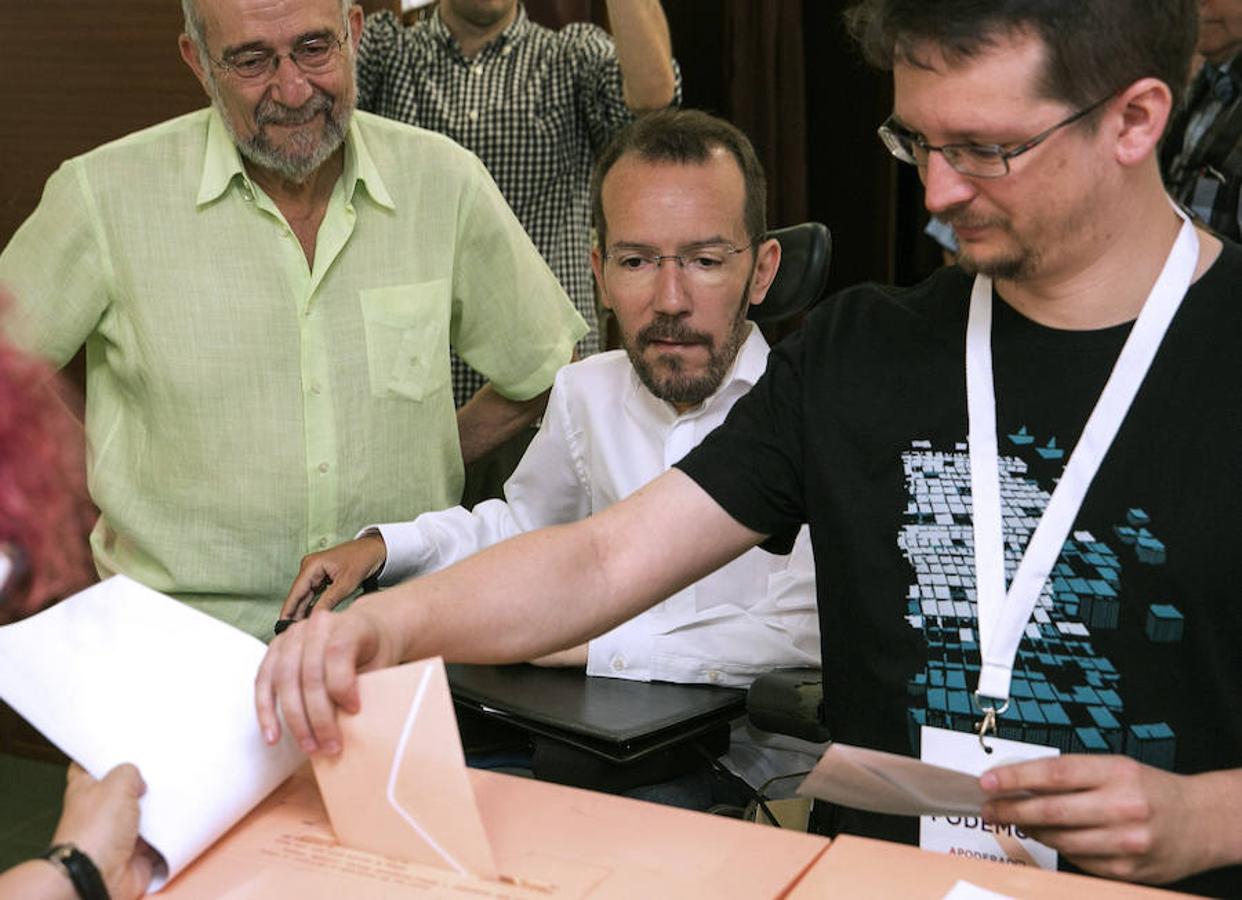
73 75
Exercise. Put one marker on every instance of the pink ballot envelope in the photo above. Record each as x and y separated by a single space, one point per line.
551 843
399 787
887 783
411 821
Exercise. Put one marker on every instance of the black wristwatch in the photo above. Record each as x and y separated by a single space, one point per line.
79 869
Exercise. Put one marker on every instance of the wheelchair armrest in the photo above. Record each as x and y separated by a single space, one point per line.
788 701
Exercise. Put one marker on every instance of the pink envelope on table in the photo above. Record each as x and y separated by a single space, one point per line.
399 787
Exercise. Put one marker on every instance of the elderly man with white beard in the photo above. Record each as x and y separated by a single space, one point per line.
267 291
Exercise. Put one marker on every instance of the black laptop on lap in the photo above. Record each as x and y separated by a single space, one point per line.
616 720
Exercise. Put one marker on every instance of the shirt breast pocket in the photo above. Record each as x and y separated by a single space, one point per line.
407 330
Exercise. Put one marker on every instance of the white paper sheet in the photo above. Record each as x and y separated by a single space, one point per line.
158 684
888 783
964 890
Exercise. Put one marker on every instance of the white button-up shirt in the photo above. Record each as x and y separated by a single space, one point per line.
604 435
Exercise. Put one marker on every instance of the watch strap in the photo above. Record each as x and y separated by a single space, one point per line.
79 869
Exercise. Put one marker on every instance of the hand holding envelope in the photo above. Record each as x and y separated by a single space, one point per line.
339 646
410 821
400 789
120 673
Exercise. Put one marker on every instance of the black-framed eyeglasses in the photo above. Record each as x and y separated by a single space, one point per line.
313 55
976 160
704 263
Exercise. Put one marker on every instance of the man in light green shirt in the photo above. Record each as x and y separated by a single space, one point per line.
268 291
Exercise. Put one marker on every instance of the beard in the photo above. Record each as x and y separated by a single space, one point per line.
1017 263
303 152
672 383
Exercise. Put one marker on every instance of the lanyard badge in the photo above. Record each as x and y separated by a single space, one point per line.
1002 615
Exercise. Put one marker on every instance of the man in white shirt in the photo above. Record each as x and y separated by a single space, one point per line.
679 209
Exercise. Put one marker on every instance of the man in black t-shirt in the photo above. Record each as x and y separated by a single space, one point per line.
1034 127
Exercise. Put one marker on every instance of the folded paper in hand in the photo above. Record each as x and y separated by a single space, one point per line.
888 783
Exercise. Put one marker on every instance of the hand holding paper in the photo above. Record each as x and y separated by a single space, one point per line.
120 673
1114 816
100 817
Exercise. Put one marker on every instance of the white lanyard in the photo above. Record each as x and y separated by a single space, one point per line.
1003 617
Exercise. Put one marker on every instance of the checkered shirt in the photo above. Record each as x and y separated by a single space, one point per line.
535 105
1202 151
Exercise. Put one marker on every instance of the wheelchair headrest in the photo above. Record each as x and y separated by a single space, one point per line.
803 275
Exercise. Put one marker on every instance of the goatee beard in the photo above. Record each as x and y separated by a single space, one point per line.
302 154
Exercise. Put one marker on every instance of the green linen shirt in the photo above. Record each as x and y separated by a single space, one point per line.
243 407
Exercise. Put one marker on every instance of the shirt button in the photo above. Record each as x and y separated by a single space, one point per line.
506 51
323 542
476 69
473 115
316 389
618 663
323 468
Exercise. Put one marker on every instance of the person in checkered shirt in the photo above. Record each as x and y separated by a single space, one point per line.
534 104
1202 152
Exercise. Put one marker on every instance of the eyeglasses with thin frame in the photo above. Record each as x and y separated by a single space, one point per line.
976 160
313 55
704 264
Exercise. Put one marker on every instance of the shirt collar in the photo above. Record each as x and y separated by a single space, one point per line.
516 31
221 162
751 361
360 167
748 366
222 165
